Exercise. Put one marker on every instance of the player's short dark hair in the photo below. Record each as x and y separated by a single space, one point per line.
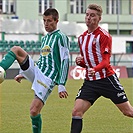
53 12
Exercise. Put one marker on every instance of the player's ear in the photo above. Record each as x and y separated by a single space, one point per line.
100 18
57 20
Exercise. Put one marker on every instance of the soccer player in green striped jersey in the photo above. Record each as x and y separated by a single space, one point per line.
50 70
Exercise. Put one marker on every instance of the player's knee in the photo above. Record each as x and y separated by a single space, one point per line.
76 112
33 111
15 48
128 113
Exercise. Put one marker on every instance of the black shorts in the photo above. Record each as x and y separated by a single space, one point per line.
109 87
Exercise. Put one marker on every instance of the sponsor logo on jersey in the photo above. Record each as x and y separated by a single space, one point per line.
45 50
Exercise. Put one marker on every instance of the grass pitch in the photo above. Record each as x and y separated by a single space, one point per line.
103 116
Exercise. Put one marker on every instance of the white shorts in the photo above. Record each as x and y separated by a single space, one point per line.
41 84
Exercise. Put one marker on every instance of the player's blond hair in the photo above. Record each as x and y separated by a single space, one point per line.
96 7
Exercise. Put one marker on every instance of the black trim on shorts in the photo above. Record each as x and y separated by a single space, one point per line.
36 97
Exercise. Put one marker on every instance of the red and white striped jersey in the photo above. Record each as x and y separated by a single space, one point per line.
92 47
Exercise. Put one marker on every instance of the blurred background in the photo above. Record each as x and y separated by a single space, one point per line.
21 24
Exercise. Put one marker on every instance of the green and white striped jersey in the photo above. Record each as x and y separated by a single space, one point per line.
54 56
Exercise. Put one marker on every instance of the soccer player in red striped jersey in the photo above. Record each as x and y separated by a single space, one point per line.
95 48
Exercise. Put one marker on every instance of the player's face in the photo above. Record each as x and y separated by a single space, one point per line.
92 18
49 23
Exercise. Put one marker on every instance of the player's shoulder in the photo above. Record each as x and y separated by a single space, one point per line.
61 34
82 35
64 40
103 32
43 38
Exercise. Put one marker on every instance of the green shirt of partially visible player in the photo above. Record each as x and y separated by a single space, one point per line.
50 70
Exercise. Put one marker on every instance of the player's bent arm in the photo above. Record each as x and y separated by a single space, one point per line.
104 63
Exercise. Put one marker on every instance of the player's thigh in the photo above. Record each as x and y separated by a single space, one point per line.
125 107
36 105
81 106
20 53
29 74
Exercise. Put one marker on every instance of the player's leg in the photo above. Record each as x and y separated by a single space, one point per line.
42 87
16 53
126 108
80 107
118 96
36 104
35 109
84 99
20 53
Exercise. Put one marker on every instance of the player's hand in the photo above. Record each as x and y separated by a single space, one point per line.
91 72
18 78
79 60
62 91
63 94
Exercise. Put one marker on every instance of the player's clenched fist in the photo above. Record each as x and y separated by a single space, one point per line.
79 59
